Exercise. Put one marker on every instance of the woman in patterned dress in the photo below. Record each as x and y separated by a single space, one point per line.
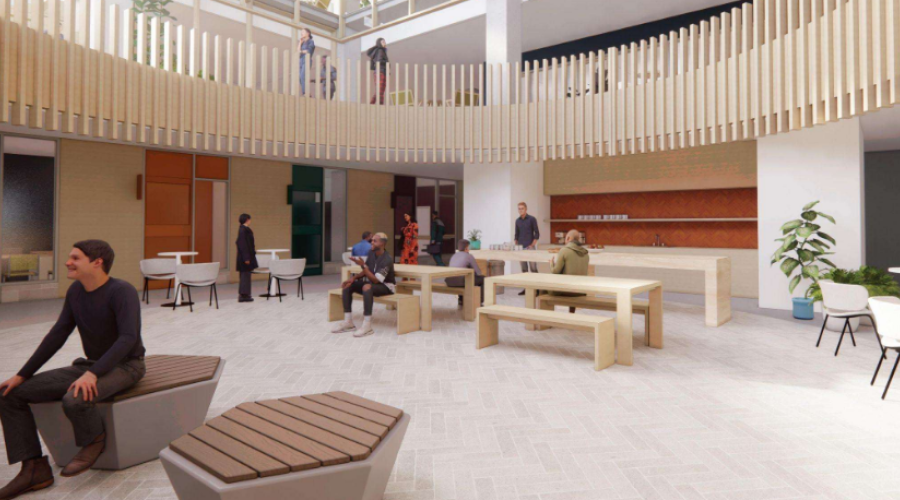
410 253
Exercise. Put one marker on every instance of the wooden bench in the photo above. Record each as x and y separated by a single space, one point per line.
407 287
407 307
602 328
638 306
332 446
172 398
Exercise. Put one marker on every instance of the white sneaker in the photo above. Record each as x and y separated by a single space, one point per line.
364 332
344 326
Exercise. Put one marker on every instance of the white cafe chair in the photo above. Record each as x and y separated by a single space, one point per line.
346 258
887 327
288 270
157 270
198 276
845 301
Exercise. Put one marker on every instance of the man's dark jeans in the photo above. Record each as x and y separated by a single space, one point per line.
377 290
19 428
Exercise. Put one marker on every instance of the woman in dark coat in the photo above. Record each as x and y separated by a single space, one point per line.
379 63
246 258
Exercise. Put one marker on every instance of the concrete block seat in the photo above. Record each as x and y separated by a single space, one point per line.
407 307
333 446
172 398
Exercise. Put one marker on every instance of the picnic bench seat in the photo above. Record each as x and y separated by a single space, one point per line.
172 398
407 287
332 446
407 307
602 328
638 306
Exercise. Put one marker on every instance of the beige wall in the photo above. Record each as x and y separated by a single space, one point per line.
720 166
98 200
259 188
369 205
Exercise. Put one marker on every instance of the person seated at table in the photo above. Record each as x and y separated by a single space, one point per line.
362 248
107 313
375 280
464 260
572 260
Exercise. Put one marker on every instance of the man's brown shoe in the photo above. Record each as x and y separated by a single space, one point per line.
36 474
85 458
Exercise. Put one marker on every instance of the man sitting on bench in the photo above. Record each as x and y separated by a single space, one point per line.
375 280
463 259
573 260
107 313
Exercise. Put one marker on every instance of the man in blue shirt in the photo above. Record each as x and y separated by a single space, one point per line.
362 248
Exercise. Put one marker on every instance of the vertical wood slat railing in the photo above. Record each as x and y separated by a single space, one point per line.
769 67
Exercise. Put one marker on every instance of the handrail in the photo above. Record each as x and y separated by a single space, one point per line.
739 76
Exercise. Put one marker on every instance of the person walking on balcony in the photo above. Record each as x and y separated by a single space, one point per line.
379 64
410 253
306 47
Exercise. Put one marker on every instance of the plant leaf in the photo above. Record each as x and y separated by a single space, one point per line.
791 225
811 271
805 255
826 216
824 236
793 284
807 231
828 262
788 266
809 215
810 205
818 245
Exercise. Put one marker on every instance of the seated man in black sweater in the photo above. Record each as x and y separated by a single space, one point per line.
108 316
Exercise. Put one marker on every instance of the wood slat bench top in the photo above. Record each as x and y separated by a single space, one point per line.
169 371
539 316
280 436
589 302
384 299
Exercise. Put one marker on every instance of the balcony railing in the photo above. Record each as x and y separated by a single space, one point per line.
770 67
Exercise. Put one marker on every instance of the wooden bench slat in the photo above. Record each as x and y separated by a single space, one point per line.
211 460
366 403
285 454
333 441
179 362
345 418
521 314
636 304
141 389
153 376
353 409
263 464
356 435
435 287
323 454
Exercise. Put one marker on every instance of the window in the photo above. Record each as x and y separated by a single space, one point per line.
27 204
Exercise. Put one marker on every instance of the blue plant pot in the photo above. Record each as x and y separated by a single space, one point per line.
803 308
475 245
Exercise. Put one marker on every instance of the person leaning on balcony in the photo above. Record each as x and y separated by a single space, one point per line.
379 64
107 313
572 260
305 47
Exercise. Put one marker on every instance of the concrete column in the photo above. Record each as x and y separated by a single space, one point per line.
503 40
351 51
824 163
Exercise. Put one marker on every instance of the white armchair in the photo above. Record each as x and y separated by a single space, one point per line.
843 301
288 270
198 276
887 327
157 270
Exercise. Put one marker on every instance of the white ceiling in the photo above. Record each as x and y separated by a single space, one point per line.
881 129
544 23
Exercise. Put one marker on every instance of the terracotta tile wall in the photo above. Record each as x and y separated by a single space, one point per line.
713 203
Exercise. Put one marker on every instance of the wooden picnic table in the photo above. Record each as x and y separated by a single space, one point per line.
623 289
426 275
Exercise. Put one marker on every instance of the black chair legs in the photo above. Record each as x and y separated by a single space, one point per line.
846 323
216 293
822 331
168 289
278 288
878 367
190 300
299 284
850 329
302 297
146 295
893 370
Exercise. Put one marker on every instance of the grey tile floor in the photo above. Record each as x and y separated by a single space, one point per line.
749 410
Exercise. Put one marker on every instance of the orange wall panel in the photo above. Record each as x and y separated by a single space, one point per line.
203 215
212 167
166 164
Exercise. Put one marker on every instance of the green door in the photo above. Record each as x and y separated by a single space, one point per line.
307 216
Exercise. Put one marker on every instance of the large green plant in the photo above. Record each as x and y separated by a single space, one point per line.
803 247
876 281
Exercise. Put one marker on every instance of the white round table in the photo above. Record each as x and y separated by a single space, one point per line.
178 256
273 287
894 270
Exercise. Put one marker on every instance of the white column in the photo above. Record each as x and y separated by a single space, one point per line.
349 51
503 40
824 163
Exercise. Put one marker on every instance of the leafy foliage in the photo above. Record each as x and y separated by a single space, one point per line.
876 281
804 248
152 9
474 235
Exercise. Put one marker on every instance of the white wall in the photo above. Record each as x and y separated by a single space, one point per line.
823 163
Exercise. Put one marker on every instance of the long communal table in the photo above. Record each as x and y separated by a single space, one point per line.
717 271
426 275
623 289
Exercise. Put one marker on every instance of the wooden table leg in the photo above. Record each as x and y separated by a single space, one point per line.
655 335
530 303
490 292
488 332
718 293
345 273
425 301
624 331
470 301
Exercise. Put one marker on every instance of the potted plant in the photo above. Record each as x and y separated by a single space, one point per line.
876 281
474 238
802 250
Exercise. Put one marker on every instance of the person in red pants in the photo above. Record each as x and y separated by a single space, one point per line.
379 63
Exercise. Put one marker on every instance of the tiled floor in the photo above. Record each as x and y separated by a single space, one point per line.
750 410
